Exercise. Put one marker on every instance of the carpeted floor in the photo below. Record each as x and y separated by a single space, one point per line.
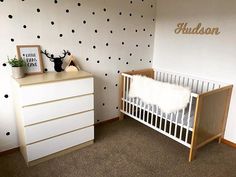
129 149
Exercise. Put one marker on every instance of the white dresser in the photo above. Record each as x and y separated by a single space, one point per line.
55 114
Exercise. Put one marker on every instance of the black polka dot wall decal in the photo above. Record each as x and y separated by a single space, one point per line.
96 31
144 29
136 30
55 1
153 19
117 107
60 35
119 58
141 59
94 47
105 88
1 0
24 26
130 14
148 45
87 59
8 133
38 37
67 10
131 2
80 42
130 54
93 13
104 9
108 20
105 74
116 85
84 22
151 6
79 4
98 120
38 10
73 31
45 69
107 44
109 58
127 63
10 16
122 43
118 71
12 40
124 29
4 64
151 35
111 31
98 61
136 45
103 104
52 22
141 16
150 61
6 96
120 13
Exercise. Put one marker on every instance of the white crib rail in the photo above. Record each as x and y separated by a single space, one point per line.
152 116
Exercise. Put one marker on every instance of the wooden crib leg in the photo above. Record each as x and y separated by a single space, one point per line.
192 154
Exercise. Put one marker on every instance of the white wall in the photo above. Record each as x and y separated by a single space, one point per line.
39 24
212 57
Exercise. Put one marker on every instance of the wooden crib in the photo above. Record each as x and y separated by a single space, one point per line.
201 122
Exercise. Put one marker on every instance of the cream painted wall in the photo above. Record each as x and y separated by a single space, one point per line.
212 57
121 31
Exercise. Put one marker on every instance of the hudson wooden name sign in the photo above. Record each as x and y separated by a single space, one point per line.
183 28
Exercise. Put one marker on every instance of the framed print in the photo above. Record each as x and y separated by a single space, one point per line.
31 54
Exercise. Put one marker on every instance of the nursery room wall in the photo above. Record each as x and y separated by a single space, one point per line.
207 56
106 36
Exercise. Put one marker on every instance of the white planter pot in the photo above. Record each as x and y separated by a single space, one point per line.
18 72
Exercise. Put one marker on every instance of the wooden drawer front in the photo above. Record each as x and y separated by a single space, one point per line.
55 127
47 111
40 93
59 143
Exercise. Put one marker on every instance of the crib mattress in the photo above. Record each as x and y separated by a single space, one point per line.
181 116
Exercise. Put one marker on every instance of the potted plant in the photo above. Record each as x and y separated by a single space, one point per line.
17 67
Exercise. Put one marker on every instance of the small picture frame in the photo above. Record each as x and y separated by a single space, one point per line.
31 54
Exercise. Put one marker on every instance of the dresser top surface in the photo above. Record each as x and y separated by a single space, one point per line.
51 77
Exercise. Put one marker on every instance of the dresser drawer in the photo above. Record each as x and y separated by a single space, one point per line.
59 143
40 93
55 127
51 110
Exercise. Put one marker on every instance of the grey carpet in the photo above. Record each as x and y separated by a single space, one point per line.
130 149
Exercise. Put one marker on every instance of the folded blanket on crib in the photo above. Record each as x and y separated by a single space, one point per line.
168 97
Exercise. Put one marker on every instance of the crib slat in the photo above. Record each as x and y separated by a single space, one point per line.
189 116
171 123
166 116
182 123
152 112
176 123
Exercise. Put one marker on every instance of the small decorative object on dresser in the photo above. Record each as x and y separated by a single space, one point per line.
71 64
55 114
18 70
32 56
58 61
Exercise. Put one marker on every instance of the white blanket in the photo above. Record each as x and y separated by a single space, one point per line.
168 97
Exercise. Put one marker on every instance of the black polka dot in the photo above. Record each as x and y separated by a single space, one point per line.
45 70
117 107
153 19
67 10
55 1
130 54
141 16
60 35
136 45
104 9
131 2
105 74
148 45
119 58
4 64
24 26
103 104
84 22
80 42
1 0
93 13
10 16
118 71
130 14
151 35
79 4
127 63
96 31
6 96
116 85
122 43
108 20
98 61
109 58
12 40
124 29
38 10
52 22
105 88
136 30
94 47
144 29
151 6
8 133
98 120
73 31
38 37
150 61
107 44
87 59
111 31
141 59
120 13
